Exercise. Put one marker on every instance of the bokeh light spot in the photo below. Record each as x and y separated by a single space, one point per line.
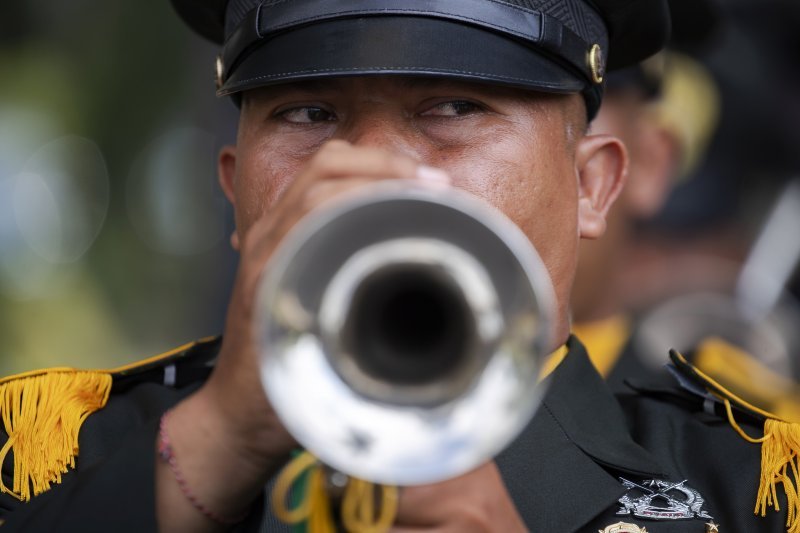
173 198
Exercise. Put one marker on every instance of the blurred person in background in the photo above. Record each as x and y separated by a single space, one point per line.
690 275
717 211
665 110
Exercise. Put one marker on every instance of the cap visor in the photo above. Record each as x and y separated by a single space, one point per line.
410 46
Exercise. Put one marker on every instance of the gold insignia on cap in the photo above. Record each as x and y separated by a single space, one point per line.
220 71
622 527
597 63
711 526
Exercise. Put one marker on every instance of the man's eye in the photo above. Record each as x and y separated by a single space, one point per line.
456 108
307 115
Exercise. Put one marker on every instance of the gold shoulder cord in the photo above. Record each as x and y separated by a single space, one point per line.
314 509
780 453
748 378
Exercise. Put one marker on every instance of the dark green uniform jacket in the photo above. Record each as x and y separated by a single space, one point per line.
564 472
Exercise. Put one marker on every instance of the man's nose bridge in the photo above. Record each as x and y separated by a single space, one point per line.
379 131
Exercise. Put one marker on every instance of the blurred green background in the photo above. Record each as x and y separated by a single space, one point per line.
114 236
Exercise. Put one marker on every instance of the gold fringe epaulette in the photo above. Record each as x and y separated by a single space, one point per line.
43 412
42 415
780 444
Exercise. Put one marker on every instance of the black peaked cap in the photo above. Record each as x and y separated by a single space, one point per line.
559 46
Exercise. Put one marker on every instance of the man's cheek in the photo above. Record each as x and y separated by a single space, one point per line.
269 179
255 195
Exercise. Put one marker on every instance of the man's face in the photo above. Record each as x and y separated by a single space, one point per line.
515 149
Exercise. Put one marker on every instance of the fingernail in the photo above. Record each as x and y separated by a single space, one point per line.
432 175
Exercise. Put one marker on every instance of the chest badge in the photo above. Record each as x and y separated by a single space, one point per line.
622 527
655 499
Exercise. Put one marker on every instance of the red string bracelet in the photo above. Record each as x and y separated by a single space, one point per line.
167 454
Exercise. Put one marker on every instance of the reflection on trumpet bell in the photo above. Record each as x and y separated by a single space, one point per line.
420 321
402 331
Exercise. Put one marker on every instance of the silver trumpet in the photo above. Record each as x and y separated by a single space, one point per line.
402 333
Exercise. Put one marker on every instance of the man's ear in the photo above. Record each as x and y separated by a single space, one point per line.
602 163
226 172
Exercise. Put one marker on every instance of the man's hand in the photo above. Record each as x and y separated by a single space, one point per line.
337 168
475 502
226 437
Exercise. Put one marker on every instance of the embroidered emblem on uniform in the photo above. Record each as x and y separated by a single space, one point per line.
662 500
622 527
712 527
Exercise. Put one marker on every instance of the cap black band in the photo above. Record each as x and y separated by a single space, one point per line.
548 33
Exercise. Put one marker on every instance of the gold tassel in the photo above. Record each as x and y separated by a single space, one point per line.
42 414
779 464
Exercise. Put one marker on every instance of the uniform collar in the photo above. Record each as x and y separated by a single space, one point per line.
592 418
562 471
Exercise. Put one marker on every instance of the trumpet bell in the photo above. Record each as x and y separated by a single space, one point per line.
402 331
